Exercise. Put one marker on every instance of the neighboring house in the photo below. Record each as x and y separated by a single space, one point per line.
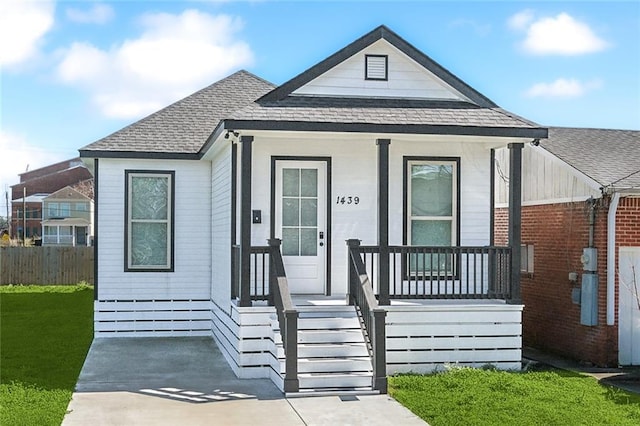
44 181
67 219
581 229
27 216
215 208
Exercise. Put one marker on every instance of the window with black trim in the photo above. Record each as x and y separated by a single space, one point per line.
149 220
432 197
376 67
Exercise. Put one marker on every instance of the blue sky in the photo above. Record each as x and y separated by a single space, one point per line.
77 71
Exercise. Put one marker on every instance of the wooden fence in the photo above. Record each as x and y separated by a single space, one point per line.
46 265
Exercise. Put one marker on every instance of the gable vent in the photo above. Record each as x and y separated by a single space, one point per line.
375 67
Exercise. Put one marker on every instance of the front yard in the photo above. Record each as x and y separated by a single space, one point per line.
45 333
488 397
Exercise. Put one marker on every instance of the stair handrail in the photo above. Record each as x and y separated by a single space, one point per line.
280 297
373 316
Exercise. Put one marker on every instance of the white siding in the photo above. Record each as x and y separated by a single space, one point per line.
192 276
221 227
406 78
354 172
422 339
545 179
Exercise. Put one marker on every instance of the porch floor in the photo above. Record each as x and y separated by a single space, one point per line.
341 300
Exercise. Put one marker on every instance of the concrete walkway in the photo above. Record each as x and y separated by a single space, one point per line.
169 381
627 379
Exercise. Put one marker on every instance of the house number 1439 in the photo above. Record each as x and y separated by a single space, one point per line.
347 199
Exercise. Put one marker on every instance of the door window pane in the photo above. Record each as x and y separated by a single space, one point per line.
299 212
308 242
309 212
290 182
290 212
290 241
309 182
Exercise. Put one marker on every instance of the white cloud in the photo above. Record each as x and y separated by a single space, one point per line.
174 55
17 155
559 35
99 14
563 88
521 20
23 24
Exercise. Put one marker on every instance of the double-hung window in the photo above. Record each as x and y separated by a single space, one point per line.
149 222
432 188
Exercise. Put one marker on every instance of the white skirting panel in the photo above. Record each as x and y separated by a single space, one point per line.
245 338
423 339
151 318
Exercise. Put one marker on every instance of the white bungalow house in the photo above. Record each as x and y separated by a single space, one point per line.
325 232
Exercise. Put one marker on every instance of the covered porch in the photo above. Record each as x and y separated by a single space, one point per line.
419 308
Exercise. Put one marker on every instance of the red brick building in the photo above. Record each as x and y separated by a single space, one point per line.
581 189
26 212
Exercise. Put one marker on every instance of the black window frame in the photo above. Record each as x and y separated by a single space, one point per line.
406 272
171 222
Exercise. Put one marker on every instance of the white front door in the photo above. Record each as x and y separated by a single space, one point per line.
629 305
300 222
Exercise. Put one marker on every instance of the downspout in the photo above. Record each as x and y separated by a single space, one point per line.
611 258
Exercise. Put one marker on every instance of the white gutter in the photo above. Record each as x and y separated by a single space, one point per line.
611 258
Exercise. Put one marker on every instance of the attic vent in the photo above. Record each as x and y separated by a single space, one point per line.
375 67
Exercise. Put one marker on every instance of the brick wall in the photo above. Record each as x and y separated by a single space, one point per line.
559 232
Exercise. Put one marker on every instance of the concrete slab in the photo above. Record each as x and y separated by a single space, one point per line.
168 381
370 410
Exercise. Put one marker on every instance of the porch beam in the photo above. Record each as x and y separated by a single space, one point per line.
515 218
245 220
383 220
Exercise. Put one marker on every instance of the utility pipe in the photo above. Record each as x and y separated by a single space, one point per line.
611 258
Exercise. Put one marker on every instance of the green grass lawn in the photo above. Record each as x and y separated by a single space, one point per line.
45 333
489 397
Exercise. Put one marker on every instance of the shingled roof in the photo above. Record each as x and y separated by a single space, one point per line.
242 101
610 157
182 128
382 115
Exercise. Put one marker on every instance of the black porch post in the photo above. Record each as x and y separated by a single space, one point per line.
515 217
245 221
383 220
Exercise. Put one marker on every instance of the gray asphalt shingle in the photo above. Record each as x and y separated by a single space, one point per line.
184 126
610 157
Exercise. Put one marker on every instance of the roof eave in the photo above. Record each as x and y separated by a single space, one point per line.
429 129
85 153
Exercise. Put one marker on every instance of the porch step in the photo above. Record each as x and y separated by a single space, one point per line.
332 353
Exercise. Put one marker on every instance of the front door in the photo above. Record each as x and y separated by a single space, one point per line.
81 235
300 222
